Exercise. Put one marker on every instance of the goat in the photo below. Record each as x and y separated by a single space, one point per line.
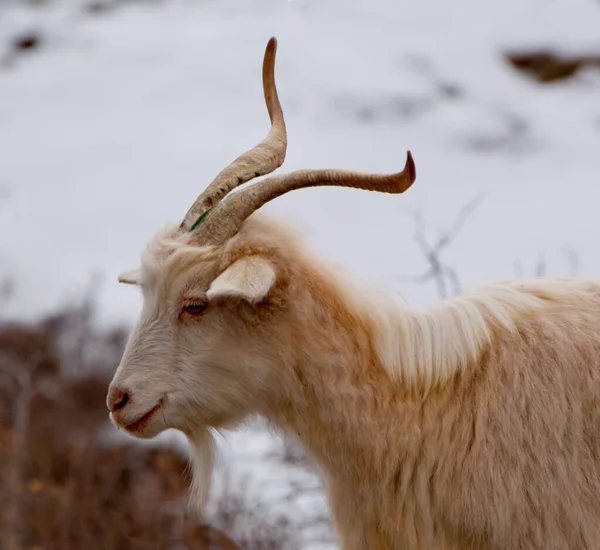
471 424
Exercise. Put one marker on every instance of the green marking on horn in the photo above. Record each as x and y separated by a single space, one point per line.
201 219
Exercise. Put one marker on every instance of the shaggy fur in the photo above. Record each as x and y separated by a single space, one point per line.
469 425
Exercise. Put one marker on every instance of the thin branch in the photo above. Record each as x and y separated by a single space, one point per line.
16 371
540 266
15 475
454 279
441 273
448 236
573 259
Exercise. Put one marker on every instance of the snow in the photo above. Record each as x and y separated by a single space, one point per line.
113 126
251 463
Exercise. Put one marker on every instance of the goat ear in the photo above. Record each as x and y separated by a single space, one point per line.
250 278
131 277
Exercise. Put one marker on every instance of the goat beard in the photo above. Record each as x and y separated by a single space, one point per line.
203 449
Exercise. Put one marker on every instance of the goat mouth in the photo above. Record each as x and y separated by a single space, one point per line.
141 422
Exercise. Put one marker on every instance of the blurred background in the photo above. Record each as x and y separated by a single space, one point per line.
115 114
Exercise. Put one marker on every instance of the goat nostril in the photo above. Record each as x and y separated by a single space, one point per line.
121 402
117 399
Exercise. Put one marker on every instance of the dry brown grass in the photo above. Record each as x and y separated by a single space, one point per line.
61 487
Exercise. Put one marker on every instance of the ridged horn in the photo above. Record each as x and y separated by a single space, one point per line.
265 157
224 220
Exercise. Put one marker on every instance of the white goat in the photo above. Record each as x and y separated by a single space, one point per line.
470 425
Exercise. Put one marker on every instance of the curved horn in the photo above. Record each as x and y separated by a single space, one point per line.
225 220
265 157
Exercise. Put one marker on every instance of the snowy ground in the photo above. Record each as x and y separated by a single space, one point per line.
252 464
113 126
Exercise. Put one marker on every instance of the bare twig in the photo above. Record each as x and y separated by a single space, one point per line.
573 259
21 377
540 268
460 220
438 271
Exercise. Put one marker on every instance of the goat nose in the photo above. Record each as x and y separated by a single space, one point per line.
117 399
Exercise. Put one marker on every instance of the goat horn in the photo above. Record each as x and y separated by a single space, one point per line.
265 157
225 220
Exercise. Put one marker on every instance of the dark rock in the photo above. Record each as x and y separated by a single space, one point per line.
546 66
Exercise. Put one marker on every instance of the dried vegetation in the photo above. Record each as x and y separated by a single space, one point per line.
64 484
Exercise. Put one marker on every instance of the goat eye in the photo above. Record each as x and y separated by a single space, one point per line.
195 308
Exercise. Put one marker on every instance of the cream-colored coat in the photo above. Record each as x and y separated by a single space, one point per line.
471 425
